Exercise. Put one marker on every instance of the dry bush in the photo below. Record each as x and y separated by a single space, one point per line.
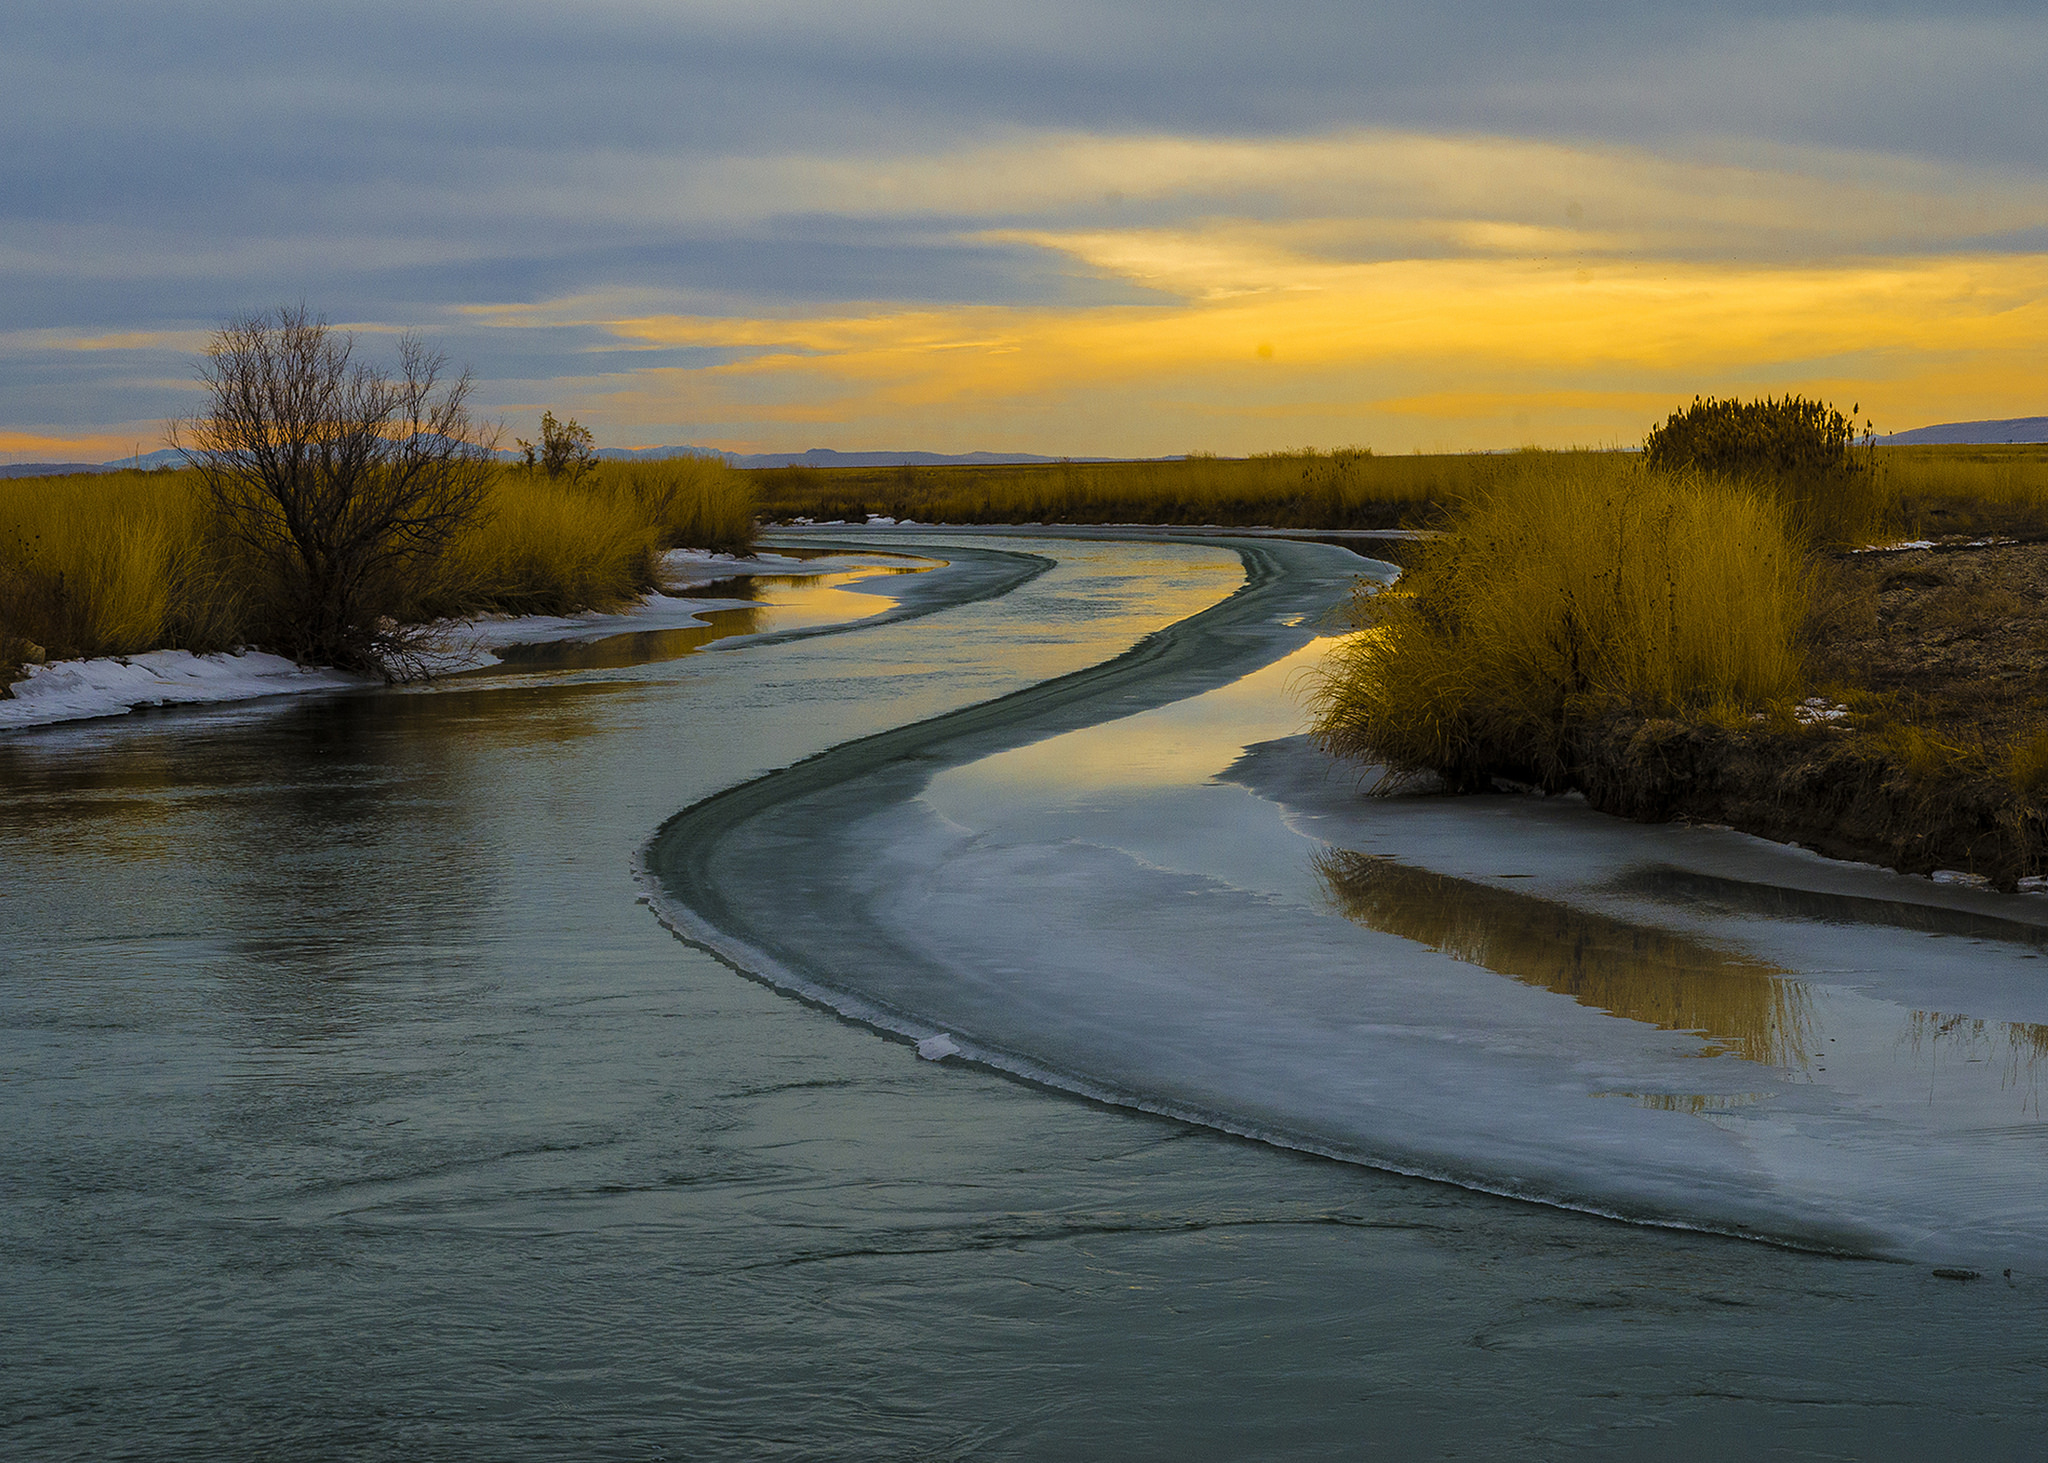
339 483
1801 453
1572 588
696 502
543 547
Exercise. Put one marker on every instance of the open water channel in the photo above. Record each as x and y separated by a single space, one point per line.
358 1098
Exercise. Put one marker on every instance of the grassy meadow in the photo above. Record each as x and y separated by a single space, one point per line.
1682 643
116 563
1985 490
1346 488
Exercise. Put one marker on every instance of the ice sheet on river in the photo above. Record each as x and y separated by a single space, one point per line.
1164 899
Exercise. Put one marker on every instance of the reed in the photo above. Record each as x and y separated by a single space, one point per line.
1347 488
541 547
696 502
115 563
1572 587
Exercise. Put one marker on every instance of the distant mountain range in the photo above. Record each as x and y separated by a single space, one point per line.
825 457
1972 434
1959 434
815 457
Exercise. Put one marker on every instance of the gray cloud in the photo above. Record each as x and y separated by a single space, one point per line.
171 163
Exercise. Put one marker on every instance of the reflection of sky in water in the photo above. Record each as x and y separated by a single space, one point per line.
790 602
1184 744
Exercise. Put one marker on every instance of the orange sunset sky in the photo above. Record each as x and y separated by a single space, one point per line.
1109 230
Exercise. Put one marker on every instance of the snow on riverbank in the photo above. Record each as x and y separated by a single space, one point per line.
78 690
74 690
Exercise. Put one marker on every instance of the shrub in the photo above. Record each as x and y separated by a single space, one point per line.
339 483
1572 588
1800 452
566 450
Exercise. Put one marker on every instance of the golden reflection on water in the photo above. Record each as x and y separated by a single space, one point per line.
1694 1103
797 600
1664 979
2018 1046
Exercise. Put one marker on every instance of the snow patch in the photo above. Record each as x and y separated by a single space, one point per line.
75 690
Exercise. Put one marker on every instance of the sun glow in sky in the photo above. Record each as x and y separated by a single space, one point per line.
1120 229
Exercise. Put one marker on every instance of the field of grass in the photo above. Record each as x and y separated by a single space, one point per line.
1307 489
1676 645
115 563
1965 490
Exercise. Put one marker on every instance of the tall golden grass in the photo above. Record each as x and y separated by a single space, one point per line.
115 563
1955 480
1571 587
110 564
1347 488
543 548
696 502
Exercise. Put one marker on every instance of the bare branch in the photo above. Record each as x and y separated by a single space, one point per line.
341 482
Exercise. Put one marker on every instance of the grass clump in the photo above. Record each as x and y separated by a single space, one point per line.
545 548
695 502
1572 587
1802 453
110 564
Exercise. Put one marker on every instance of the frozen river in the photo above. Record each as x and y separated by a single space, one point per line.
356 1105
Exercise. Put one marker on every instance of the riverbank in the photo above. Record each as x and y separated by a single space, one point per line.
88 688
1923 746
126 563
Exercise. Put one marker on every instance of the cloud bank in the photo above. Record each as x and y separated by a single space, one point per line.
1100 229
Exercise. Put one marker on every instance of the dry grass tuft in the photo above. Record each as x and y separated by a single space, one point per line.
1573 587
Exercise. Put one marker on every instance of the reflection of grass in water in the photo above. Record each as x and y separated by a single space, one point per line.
1694 1103
2022 1044
1664 979
629 648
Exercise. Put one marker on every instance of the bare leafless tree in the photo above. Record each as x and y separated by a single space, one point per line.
341 482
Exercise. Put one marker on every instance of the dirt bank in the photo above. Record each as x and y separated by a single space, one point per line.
1925 748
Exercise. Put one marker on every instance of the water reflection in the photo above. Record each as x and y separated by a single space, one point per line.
791 601
1667 980
1936 1037
1716 893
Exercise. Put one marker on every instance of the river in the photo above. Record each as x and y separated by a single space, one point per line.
361 1103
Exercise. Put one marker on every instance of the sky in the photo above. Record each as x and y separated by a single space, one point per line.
1116 229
